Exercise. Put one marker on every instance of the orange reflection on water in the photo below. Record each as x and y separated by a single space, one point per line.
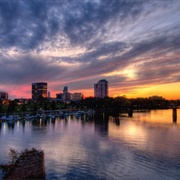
153 132
130 133
158 116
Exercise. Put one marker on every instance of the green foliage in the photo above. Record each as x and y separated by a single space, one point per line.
45 106
53 105
107 103
23 109
11 107
35 107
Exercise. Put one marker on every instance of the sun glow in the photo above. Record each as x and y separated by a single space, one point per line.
168 91
128 72
129 133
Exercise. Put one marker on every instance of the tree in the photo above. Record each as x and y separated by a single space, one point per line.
0 108
11 107
53 105
23 108
35 107
45 106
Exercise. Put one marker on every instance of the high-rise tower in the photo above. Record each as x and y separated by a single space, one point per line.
39 89
3 95
101 88
66 94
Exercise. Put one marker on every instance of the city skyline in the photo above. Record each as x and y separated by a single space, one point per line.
132 44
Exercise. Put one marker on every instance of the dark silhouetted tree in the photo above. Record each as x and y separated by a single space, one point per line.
53 105
45 106
11 107
35 107
23 108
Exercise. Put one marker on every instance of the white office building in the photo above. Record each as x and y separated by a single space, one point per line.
101 89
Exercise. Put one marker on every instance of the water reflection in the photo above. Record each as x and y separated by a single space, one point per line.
146 145
155 139
101 123
23 124
157 116
39 122
174 115
11 125
101 127
117 121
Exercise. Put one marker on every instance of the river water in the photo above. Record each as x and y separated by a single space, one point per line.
146 146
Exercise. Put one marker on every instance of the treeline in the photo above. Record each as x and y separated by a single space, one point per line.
124 103
119 104
17 105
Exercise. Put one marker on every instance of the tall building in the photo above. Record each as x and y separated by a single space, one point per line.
49 95
101 89
65 90
3 95
39 89
66 94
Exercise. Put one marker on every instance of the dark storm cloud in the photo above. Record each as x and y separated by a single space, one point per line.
89 17
145 49
161 44
140 52
164 71
104 49
24 24
26 69
27 24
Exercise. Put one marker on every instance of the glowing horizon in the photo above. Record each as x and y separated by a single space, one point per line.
140 92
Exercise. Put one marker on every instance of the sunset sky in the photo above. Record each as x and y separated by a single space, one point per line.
133 44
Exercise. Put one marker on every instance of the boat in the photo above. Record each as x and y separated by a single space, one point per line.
37 116
79 113
66 114
3 118
60 114
10 118
27 117
52 116
43 116
17 118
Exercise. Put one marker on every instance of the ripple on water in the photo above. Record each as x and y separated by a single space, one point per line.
91 150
